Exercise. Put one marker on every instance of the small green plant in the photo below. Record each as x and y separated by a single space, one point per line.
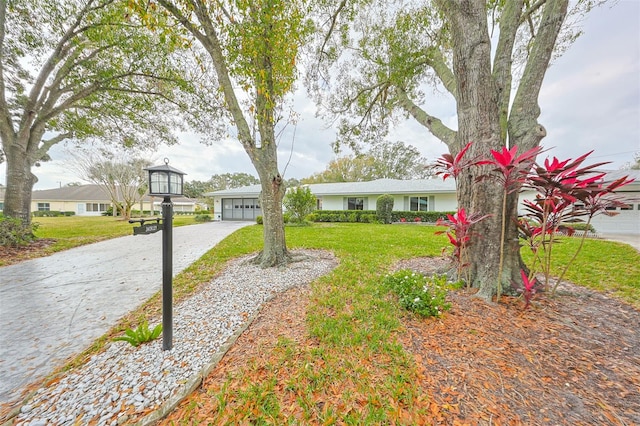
140 335
419 293
259 220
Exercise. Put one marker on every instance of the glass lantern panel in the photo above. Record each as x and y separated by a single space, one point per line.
176 184
159 183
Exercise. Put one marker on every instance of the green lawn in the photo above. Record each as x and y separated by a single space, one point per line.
354 325
73 231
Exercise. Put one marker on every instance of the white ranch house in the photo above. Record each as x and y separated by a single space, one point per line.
92 200
411 195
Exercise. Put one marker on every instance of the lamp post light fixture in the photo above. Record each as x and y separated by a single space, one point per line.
165 181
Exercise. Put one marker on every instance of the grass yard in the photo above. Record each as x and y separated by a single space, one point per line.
352 367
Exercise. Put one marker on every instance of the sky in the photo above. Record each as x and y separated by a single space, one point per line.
590 100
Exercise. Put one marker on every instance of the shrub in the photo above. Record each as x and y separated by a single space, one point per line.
202 218
259 220
14 233
299 202
384 207
428 217
418 293
580 226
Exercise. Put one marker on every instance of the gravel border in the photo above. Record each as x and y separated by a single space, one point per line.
125 383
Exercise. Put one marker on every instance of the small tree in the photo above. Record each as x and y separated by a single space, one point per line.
121 176
299 201
384 207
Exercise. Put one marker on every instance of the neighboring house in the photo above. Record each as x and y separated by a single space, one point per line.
93 200
413 195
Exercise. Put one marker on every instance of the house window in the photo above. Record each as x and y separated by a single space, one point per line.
355 203
627 207
96 207
43 207
418 204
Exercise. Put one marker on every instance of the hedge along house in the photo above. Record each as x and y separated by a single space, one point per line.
93 200
417 195
409 195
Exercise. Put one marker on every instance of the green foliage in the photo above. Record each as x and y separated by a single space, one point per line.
371 216
384 207
51 213
259 220
419 293
15 233
140 335
386 160
580 227
299 202
408 216
200 218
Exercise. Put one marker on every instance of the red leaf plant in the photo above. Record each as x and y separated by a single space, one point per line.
448 165
509 168
529 288
566 192
512 171
459 234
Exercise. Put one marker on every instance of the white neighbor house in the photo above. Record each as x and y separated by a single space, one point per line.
412 195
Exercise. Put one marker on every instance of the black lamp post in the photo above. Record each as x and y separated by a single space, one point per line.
166 181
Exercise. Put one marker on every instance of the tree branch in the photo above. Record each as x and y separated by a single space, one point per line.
502 63
525 110
438 64
6 126
433 124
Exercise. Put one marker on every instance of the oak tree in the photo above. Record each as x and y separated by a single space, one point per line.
78 70
379 61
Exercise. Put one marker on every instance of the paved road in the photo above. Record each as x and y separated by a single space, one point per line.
53 307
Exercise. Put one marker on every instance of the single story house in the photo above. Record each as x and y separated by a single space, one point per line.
93 200
412 195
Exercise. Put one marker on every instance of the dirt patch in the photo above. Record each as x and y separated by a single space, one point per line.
569 360
37 248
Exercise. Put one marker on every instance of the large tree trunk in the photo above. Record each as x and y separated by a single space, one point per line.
479 122
274 251
20 182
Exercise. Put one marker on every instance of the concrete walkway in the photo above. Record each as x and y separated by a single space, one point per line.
52 308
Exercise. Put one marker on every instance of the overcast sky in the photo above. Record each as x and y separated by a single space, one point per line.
590 100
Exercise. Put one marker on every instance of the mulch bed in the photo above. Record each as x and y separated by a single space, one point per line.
12 255
569 360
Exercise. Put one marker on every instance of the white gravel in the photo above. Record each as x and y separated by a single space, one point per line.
124 382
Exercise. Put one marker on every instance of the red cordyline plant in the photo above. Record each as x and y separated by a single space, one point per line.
567 192
511 170
529 288
459 234
449 166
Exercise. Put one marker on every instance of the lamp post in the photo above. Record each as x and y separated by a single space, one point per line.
166 181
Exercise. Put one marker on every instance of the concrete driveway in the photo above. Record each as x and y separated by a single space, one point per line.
54 307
